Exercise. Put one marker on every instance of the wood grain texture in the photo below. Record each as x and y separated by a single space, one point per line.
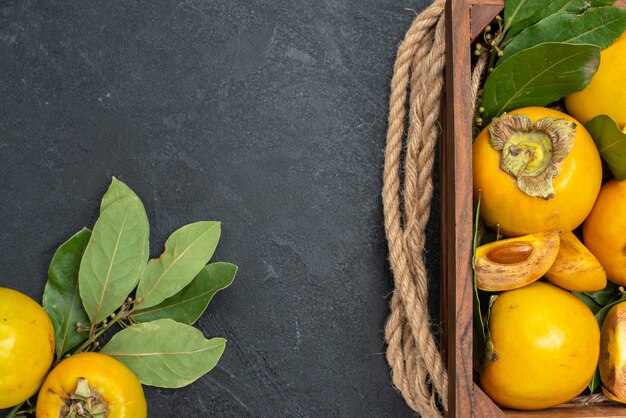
569 410
484 406
457 211
466 399
481 15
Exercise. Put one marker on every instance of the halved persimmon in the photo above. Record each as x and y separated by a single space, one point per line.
575 268
515 262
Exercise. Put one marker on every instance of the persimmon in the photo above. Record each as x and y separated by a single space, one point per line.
546 344
26 347
536 169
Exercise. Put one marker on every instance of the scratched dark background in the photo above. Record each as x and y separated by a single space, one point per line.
267 115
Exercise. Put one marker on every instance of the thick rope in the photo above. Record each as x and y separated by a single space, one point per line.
418 370
417 365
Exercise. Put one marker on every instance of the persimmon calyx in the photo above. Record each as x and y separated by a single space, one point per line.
531 151
84 401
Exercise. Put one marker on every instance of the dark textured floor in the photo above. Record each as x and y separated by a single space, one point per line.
268 116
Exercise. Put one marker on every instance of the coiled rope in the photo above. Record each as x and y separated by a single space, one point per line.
418 370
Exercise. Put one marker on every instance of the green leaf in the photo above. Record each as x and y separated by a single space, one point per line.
611 143
189 304
187 251
165 353
61 299
116 192
607 295
113 258
538 76
595 381
598 26
520 14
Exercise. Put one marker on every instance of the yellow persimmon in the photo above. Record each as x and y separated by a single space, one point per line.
26 347
605 94
545 347
604 231
536 169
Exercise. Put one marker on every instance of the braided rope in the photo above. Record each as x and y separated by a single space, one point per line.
417 366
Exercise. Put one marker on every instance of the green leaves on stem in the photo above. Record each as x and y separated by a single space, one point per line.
165 353
93 276
187 251
189 304
546 51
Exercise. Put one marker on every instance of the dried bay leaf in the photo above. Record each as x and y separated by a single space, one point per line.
165 353
188 305
186 252
115 255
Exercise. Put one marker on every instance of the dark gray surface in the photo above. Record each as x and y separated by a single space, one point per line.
268 116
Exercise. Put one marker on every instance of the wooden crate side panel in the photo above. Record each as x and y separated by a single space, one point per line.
457 211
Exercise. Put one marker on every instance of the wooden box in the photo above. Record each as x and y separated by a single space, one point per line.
465 20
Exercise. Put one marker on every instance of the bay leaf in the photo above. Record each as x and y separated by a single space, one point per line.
186 252
188 305
165 353
113 258
117 191
611 143
538 76
598 26
61 299
521 14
